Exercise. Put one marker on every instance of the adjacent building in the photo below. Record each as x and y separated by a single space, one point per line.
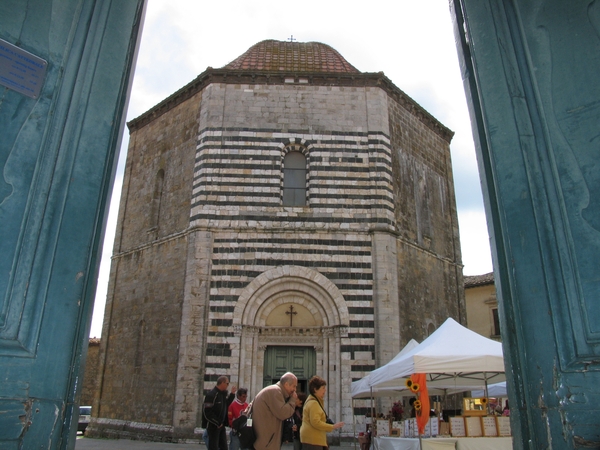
482 305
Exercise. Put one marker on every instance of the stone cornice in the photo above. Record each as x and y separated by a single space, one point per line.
228 76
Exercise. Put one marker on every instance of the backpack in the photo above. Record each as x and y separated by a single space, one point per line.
242 427
287 432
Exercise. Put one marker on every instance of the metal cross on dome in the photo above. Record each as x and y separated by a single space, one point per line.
291 38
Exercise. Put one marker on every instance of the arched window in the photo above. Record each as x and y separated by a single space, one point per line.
294 179
430 329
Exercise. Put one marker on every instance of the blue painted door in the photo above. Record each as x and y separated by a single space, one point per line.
531 73
65 71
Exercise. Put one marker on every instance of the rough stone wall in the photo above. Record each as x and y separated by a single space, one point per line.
155 200
139 350
428 292
423 185
142 343
90 375
430 282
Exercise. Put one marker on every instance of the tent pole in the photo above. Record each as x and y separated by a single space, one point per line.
487 394
372 408
486 384
445 402
354 425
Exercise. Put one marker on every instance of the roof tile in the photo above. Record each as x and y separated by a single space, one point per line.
479 280
281 56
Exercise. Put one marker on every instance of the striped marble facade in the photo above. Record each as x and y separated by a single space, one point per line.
211 270
237 194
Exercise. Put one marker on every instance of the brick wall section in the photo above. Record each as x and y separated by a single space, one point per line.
430 282
428 291
423 185
139 377
155 209
139 353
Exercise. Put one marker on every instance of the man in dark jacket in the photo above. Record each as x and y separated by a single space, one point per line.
216 403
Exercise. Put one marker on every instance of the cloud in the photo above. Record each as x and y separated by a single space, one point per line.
474 242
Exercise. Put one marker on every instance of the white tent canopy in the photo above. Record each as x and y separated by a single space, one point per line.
362 388
453 357
494 390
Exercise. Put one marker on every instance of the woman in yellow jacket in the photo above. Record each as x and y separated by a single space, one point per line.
315 424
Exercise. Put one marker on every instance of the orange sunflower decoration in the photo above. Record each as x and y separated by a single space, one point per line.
418 385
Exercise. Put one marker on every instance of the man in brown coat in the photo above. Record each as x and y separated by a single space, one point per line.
270 408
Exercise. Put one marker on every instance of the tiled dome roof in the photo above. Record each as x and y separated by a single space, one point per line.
271 55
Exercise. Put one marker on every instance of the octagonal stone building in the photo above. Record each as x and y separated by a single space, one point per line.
286 212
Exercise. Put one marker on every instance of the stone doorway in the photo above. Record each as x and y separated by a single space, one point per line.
290 319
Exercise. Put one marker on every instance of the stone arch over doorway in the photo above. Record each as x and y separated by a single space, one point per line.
321 322
254 302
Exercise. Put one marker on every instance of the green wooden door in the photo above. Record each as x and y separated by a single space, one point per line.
531 73
301 361
58 151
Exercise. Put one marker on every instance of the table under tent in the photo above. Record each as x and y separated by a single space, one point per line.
454 359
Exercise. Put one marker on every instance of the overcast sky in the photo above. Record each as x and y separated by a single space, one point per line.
412 42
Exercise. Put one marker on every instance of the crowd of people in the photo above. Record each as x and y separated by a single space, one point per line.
280 415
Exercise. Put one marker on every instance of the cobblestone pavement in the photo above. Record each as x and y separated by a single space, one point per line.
84 443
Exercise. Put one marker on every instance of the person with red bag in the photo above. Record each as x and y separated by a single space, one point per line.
233 412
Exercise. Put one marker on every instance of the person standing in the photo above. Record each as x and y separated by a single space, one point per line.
271 406
216 403
315 424
297 418
234 411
